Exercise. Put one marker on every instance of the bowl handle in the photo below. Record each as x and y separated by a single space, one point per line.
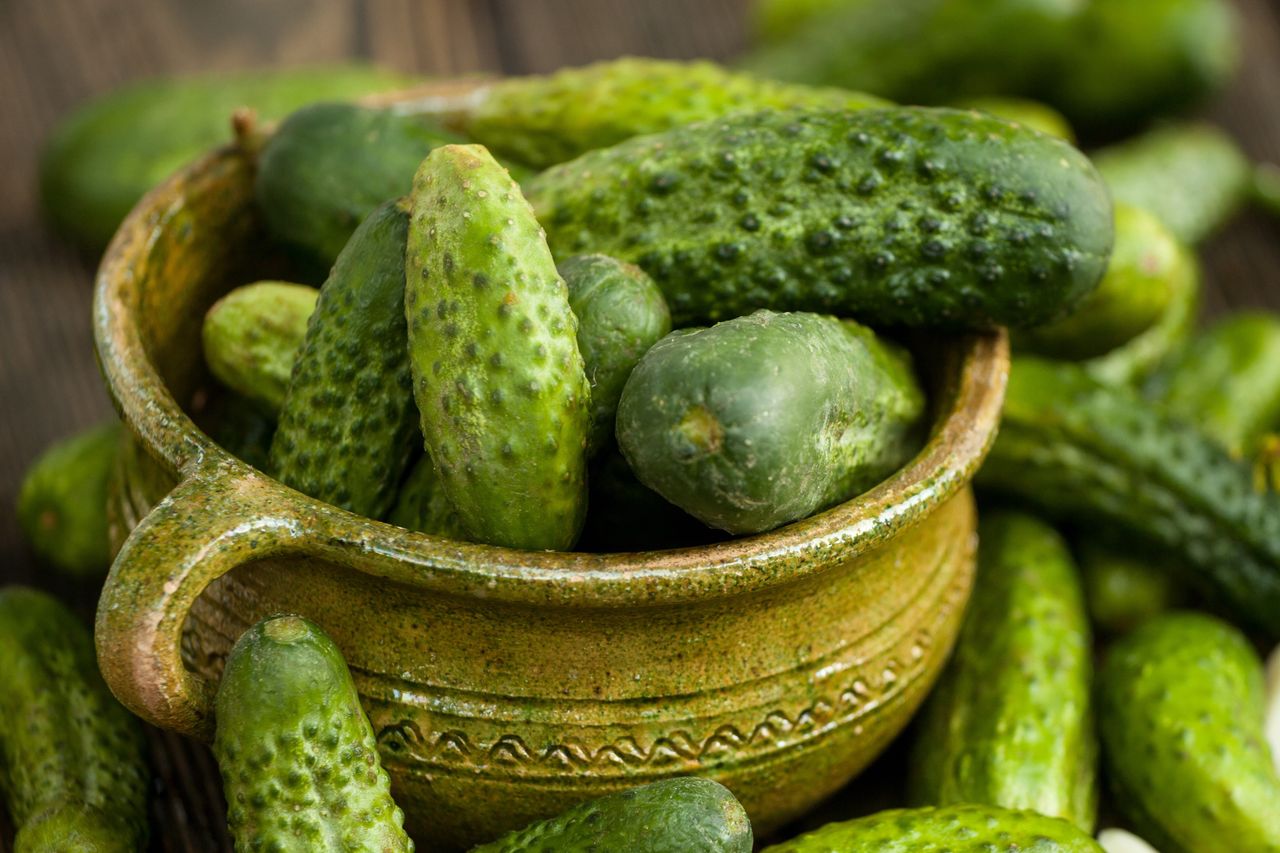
220 517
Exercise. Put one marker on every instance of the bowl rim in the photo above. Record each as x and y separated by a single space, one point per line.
960 439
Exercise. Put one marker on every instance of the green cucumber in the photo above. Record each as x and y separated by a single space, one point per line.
298 757
104 156
1024 111
421 505
949 829
252 336
1010 722
62 505
621 314
347 426
1180 711
684 815
241 427
912 216
72 764
1123 590
500 384
1081 450
762 420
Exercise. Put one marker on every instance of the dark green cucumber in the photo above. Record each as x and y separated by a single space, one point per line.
921 217
1010 723
252 336
499 381
347 427
72 764
1023 111
685 815
1180 710
766 419
621 314
105 155
421 504
945 830
241 427
62 505
298 758
1123 590
1080 449
329 165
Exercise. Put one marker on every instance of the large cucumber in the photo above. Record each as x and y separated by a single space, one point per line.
914 216
1084 450
72 765
1010 723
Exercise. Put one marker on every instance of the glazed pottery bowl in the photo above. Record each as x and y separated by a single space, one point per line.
504 686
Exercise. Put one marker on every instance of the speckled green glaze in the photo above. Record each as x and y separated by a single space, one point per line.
505 686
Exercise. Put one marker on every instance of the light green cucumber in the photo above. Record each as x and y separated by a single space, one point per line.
500 384
1124 590
762 420
1024 111
298 757
72 761
684 815
1180 711
347 426
907 216
1010 722
252 336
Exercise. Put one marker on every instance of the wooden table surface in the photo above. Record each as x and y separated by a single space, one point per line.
56 53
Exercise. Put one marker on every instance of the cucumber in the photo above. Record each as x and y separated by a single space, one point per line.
1123 590
621 314
241 427
298 757
499 381
944 830
104 156
685 815
62 504
72 764
421 504
766 419
1010 722
329 165
347 426
1180 711
911 216
1023 111
1082 450
252 336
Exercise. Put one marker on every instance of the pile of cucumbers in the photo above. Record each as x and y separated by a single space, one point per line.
647 304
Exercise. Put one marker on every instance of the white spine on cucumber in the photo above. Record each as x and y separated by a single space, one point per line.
1122 841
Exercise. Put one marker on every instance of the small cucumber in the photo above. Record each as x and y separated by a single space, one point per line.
1180 710
621 314
1082 450
685 815
1010 723
62 505
347 426
907 216
298 758
252 336
944 830
1025 112
421 504
766 419
1124 591
72 764
499 381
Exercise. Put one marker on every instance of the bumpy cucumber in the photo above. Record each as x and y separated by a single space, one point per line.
1080 449
1180 710
347 427
62 505
686 815
102 158
765 419
621 314
1193 176
944 830
329 165
499 381
544 120
298 758
1010 723
905 216
1024 111
1123 591
72 765
421 504
252 336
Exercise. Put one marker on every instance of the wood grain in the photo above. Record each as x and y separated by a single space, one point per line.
57 53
